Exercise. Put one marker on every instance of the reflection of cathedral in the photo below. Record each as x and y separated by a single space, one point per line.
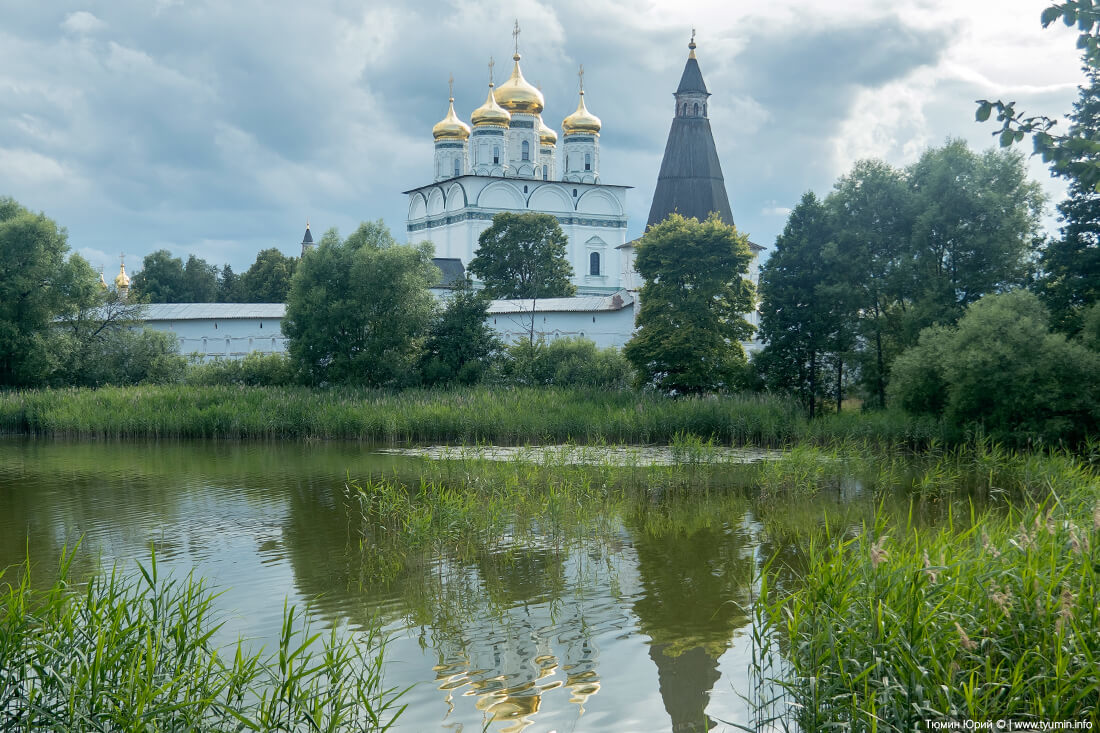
509 161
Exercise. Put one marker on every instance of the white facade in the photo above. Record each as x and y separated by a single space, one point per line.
452 215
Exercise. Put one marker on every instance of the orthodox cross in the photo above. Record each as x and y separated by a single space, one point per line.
515 35
451 86
693 34
491 65
580 75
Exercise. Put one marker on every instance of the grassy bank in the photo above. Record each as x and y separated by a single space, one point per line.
985 617
135 653
501 415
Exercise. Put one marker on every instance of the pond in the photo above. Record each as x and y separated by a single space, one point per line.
636 620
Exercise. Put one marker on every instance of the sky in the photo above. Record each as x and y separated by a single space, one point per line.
219 128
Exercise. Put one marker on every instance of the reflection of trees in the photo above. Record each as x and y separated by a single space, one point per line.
696 582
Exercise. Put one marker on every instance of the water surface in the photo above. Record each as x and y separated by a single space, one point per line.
627 626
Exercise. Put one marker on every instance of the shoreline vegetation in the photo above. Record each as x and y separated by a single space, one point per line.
463 416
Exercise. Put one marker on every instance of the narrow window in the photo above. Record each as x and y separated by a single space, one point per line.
704 109
215 326
496 155
261 324
525 150
588 161
594 263
458 168
574 193
544 173
696 109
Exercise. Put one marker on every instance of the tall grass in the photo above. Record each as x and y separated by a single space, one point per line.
472 415
134 653
992 615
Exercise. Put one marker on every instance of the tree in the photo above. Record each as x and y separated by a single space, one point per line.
39 283
872 212
975 224
693 303
523 256
1069 277
358 309
200 281
160 279
268 279
460 346
806 319
229 286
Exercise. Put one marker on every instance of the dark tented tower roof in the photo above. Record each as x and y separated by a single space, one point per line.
307 238
690 182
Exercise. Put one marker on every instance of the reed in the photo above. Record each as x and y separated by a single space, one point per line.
991 615
136 653
465 416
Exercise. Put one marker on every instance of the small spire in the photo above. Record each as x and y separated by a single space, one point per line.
691 44
580 76
451 87
515 38
491 65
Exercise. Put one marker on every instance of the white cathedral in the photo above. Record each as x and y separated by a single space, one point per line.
510 161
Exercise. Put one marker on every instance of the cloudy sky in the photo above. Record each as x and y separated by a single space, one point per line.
217 128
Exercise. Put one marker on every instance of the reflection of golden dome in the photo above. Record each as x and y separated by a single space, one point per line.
546 135
516 95
450 127
122 281
490 113
581 121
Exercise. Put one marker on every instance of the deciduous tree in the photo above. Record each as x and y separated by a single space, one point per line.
358 309
523 256
693 305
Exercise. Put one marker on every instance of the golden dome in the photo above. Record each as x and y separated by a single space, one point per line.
516 95
450 127
490 113
546 135
581 121
122 281
102 282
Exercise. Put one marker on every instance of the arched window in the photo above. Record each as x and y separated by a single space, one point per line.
458 167
496 155
439 167
588 161
525 151
696 109
704 109
685 109
594 263
545 173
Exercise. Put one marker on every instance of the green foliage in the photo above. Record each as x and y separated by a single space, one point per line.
523 256
694 298
254 370
1090 328
573 362
166 279
809 316
229 286
358 310
990 618
137 653
460 347
39 283
1002 369
1069 266
268 279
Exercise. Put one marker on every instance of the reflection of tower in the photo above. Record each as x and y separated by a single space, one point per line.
689 581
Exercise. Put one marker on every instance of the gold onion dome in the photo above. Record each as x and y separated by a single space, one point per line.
102 282
546 135
516 95
122 280
450 127
490 113
581 121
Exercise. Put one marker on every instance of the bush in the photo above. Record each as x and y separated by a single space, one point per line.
120 356
572 362
1001 369
255 370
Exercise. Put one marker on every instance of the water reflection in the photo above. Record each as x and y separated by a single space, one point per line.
621 625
